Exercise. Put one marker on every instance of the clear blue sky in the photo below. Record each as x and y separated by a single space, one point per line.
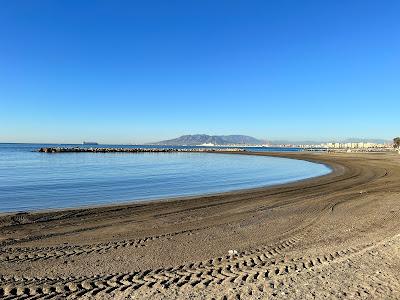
139 71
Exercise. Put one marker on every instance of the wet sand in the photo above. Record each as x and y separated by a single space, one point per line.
335 236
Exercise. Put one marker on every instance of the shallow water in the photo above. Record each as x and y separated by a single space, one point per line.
31 180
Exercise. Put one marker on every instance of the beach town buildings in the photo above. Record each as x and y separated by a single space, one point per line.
349 145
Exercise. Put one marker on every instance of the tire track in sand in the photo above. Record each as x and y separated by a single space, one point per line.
248 266
14 255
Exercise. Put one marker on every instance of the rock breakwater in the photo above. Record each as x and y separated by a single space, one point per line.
132 150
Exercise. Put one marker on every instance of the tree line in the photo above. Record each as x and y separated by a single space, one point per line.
396 142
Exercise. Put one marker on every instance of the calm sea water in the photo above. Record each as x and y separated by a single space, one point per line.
31 180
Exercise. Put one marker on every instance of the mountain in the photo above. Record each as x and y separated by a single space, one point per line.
198 139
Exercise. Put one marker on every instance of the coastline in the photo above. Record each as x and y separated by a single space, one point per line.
184 197
178 248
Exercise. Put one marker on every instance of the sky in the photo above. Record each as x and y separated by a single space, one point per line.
142 71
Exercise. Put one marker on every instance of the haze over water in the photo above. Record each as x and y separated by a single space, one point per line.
31 180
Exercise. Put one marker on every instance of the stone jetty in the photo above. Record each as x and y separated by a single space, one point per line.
132 150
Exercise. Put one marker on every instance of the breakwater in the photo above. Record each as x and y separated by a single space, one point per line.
131 150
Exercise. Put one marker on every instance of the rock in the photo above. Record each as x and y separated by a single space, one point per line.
232 252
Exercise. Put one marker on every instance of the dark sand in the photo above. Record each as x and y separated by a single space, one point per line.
336 236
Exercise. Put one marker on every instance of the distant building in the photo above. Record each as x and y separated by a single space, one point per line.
348 145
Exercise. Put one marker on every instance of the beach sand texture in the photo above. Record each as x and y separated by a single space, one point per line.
334 237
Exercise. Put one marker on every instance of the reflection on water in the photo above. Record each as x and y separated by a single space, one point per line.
30 180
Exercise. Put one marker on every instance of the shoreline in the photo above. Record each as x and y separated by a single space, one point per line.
334 236
183 197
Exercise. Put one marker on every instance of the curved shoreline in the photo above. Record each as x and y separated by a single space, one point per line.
186 197
334 236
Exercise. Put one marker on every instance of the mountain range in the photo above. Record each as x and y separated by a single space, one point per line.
199 139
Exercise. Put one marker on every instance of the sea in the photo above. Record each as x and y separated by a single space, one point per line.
31 181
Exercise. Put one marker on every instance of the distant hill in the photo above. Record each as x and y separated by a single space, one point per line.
198 139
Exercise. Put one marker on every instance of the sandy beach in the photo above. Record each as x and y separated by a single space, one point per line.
335 236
